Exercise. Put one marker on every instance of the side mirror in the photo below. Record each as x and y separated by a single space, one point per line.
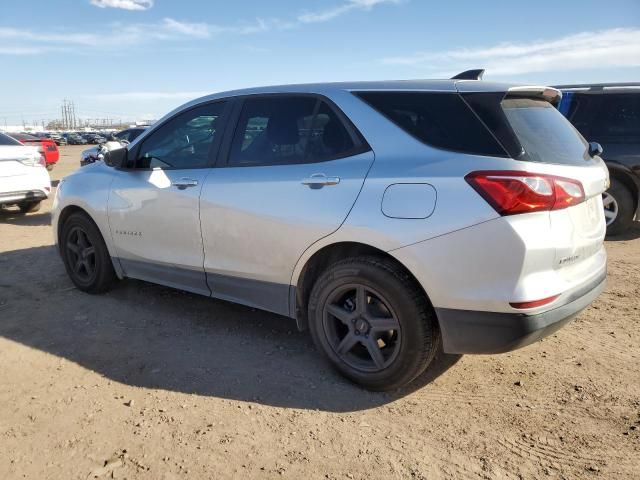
116 158
595 149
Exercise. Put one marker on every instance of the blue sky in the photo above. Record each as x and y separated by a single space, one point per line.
140 58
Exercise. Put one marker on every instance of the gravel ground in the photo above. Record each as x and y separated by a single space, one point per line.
152 383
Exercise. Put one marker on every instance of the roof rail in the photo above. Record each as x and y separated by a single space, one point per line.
475 74
598 86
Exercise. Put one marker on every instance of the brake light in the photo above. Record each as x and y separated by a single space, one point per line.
533 304
514 192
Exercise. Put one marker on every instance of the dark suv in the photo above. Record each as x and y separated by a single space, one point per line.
610 115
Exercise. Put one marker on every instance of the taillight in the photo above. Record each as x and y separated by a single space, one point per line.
514 192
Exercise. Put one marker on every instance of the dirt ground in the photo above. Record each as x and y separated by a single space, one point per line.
151 383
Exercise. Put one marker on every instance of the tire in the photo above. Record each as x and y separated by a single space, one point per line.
30 207
87 262
619 208
384 345
50 167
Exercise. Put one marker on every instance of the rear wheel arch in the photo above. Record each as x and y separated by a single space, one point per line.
327 256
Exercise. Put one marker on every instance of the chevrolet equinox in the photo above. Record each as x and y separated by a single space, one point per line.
387 218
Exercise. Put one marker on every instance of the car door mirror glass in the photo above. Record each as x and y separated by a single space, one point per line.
116 158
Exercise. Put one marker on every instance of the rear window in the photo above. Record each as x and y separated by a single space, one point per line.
442 120
7 140
543 132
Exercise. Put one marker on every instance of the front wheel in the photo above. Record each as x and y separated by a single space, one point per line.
373 322
85 255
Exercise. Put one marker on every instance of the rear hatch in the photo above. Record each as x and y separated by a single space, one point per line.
16 164
529 127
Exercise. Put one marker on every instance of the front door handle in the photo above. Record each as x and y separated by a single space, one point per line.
319 180
185 183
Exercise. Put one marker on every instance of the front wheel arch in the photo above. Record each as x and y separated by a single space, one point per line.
70 210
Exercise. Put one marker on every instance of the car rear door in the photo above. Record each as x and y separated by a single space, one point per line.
287 177
154 207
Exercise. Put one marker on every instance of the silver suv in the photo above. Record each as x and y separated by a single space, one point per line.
387 218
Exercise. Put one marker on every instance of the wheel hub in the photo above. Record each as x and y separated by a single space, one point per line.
362 327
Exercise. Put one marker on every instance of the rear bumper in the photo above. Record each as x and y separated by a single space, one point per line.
27 195
467 331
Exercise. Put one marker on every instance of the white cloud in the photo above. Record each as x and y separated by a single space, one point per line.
201 30
124 4
331 13
15 41
21 50
618 47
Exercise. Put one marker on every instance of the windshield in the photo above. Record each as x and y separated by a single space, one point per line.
545 135
7 140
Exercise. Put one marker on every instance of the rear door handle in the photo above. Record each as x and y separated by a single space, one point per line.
185 183
319 180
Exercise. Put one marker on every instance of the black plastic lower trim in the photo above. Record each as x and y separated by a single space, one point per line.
468 331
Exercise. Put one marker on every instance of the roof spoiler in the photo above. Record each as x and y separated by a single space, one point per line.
550 94
470 75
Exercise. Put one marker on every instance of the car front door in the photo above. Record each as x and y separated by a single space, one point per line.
288 177
154 206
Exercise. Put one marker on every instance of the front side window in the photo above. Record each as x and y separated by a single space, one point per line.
285 130
185 141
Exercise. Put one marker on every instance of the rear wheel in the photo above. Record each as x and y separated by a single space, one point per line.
30 207
618 207
85 255
373 322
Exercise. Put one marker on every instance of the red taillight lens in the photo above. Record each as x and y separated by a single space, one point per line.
534 303
514 192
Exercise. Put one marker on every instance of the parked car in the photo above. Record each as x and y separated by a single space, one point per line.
57 138
610 115
128 134
46 146
74 139
94 154
385 217
24 180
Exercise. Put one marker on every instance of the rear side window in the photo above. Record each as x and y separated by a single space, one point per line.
618 120
7 140
543 132
286 130
442 120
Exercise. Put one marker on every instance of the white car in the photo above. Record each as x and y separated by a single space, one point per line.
385 217
24 180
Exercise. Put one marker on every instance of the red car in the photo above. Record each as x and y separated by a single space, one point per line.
46 147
